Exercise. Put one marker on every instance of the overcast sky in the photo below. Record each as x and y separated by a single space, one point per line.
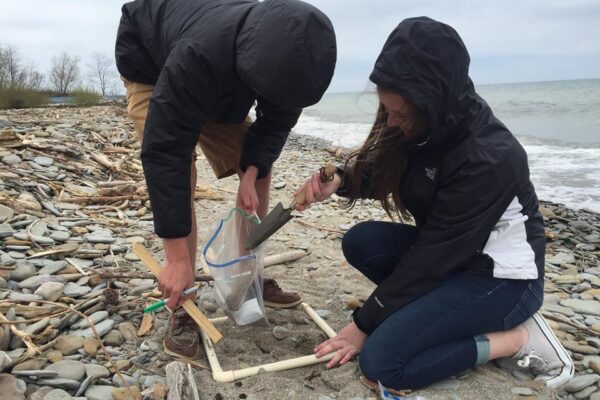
509 40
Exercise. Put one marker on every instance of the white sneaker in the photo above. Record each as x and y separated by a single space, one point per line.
544 355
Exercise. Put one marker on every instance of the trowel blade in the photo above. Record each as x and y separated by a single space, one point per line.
278 217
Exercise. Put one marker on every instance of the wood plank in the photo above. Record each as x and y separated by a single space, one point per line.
189 306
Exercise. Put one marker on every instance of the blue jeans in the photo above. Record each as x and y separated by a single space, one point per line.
442 332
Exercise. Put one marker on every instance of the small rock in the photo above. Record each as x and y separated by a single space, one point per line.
10 388
11 159
99 392
96 371
280 333
586 393
123 394
548 213
151 380
279 185
40 393
90 346
580 382
114 338
36 281
580 348
100 239
54 356
22 272
5 213
117 381
57 394
68 369
102 328
128 331
33 364
131 257
38 326
323 313
24 297
52 267
60 236
96 317
591 307
265 343
67 384
5 360
123 364
43 161
68 344
28 202
561 258
6 230
74 290
210 307
50 291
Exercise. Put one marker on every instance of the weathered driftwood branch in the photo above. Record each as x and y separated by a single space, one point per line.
288 256
181 382
103 160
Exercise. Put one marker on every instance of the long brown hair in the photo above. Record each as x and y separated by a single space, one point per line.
383 156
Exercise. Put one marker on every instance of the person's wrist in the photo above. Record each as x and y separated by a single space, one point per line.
176 250
251 173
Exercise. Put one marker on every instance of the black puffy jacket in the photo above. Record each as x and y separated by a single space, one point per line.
211 60
467 186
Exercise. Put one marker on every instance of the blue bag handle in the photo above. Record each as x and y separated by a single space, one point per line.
218 230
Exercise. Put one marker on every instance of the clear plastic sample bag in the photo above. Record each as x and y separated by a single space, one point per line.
237 272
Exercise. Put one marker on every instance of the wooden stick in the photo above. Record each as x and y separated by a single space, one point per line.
288 256
189 306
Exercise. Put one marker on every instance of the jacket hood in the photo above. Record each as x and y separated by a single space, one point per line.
286 52
426 62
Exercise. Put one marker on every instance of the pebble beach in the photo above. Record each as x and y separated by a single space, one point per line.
73 203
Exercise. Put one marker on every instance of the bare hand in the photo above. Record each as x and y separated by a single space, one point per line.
347 343
177 273
247 199
315 190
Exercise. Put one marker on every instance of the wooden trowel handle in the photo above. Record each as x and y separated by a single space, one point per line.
326 174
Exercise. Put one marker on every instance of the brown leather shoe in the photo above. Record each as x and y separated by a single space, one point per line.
182 338
275 297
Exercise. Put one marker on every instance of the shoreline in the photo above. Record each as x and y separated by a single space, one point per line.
54 162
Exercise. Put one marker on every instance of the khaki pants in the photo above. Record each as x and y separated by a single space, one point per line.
221 144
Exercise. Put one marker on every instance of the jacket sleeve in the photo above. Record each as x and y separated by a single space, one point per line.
466 209
183 96
267 136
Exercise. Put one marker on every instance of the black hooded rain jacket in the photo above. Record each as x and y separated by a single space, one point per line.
467 186
211 60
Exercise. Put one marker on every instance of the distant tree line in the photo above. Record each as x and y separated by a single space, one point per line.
22 85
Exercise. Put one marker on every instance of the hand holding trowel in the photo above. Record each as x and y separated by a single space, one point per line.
280 215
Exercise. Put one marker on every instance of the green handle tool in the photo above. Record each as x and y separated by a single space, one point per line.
160 304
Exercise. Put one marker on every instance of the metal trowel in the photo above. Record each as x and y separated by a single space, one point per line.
280 215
